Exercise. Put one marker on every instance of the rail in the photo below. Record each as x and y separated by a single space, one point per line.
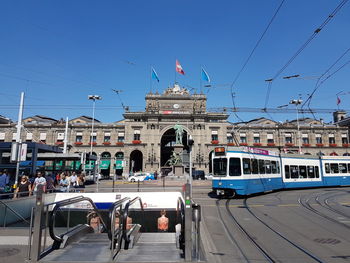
125 236
115 235
13 211
180 211
58 205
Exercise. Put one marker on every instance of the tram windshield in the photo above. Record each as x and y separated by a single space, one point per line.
220 167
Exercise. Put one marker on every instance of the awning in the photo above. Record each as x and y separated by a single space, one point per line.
90 165
105 164
119 164
29 163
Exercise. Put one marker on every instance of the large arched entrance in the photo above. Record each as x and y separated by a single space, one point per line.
135 161
167 146
105 164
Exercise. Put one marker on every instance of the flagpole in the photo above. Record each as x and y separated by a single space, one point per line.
175 73
150 78
200 79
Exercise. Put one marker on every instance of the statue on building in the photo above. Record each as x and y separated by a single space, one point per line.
178 133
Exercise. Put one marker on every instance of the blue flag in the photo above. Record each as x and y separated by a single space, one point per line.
205 75
154 75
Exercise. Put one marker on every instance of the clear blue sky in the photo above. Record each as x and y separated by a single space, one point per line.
59 52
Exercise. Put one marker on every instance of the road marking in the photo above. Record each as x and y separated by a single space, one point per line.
289 205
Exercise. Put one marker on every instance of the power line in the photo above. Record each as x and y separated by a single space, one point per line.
304 45
272 110
251 54
318 83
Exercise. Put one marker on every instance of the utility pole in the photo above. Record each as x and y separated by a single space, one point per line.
18 136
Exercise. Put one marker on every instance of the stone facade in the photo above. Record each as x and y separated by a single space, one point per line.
141 141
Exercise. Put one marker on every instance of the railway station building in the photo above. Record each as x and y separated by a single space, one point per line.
144 140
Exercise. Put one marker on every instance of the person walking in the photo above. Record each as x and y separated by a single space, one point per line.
163 222
23 188
4 182
39 180
50 183
64 183
81 182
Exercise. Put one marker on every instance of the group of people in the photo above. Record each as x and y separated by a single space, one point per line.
62 182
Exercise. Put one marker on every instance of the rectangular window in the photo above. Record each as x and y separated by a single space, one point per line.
344 140
246 166
107 138
342 168
235 167
286 171
349 167
137 135
310 172
334 168
278 166
331 140
243 139
256 137
288 139
220 167
270 138
120 136
214 137
79 138
255 166
273 167
29 137
302 171
229 138
42 136
268 166
60 136
318 138
327 168
294 171
305 140
317 173
261 167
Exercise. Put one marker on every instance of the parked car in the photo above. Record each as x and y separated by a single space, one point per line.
198 175
141 177
209 176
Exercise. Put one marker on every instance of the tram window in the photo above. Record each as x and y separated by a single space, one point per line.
349 167
317 172
246 166
302 171
235 167
310 172
334 168
327 168
255 166
286 171
220 166
294 171
268 166
342 168
261 167
278 166
273 167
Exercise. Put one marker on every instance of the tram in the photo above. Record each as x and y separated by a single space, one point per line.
246 171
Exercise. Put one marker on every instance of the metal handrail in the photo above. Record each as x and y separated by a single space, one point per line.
13 211
112 232
64 203
125 218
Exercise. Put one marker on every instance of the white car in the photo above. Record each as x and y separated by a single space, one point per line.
140 177
209 176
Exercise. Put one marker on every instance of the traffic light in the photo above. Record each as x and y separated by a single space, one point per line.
190 141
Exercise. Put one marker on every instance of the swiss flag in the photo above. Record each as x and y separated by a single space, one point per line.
178 68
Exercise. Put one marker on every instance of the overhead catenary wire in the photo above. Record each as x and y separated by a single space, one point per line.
251 54
303 46
319 82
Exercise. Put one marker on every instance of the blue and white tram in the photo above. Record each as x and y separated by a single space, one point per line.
245 171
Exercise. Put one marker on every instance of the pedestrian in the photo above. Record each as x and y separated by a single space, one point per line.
50 183
4 184
39 180
163 222
64 183
155 175
73 180
81 182
23 188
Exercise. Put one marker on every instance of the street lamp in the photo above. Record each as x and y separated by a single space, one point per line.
296 103
93 98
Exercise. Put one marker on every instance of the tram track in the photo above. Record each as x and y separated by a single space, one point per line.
306 204
326 204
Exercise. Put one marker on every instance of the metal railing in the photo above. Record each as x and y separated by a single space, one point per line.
115 235
125 234
7 207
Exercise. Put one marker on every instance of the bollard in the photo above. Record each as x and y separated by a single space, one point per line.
38 218
188 223
196 217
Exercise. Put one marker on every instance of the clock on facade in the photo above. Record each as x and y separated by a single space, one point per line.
176 106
